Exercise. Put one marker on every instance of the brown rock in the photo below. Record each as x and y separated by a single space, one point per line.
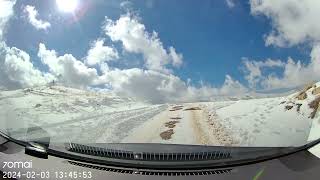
192 109
171 124
302 96
166 135
316 91
298 107
288 107
283 102
314 105
307 87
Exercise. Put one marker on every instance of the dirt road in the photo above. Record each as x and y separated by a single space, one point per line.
178 124
169 124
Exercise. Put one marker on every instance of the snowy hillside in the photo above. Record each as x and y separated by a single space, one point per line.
277 121
280 121
81 116
63 111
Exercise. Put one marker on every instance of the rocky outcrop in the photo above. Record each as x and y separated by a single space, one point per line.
302 96
314 105
316 91
307 87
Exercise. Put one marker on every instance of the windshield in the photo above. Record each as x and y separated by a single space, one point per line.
217 73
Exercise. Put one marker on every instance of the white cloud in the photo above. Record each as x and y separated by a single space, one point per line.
99 53
32 17
17 71
16 68
156 84
177 59
6 11
232 87
253 70
293 21
230 3
136 39
157 87
294 74
67 68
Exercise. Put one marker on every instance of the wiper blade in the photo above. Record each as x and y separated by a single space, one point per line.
139 152
59 150
167 156
36 150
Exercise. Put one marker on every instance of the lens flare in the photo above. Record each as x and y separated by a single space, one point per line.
67 5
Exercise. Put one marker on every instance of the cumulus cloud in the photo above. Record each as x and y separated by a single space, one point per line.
135 39
32 14
99 53
293 21
157 87
67 68
156 84
294 73
17 71
232 87
253 70
6 11
16 68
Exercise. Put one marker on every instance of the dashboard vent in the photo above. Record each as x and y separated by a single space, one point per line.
146 156
154 172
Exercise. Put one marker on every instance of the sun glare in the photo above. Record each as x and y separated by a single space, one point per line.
67 5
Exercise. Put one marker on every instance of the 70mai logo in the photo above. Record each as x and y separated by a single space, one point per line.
18 164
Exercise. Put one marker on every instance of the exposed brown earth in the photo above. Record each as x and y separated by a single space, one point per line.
176 108
171 124
302 96
288 107
166 135
298 107
192 109
292 104
176 118
316 91
314 105
283 102
307 87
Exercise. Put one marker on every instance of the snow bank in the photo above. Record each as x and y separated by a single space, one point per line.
278 121
56 105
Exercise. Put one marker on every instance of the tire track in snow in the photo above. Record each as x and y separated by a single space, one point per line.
117 130
198 131
188 130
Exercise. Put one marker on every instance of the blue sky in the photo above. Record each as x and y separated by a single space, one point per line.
212 37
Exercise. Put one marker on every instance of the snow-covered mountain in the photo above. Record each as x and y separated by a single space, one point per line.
69 114
61 109
277 121
50 104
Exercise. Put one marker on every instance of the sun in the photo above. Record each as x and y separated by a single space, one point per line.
67 5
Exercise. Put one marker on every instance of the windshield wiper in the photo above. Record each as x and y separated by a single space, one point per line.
197 154
165 156
36 150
